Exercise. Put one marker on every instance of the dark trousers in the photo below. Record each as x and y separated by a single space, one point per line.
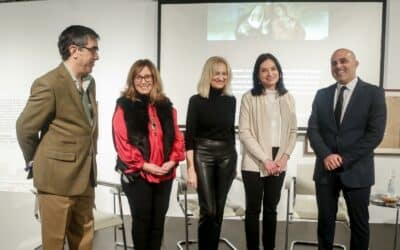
357 201
268 191
215 164
148 203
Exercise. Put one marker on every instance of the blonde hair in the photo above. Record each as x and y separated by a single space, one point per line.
203 87
156 93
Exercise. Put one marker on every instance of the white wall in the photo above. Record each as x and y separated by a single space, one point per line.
30 30
128 32
392 56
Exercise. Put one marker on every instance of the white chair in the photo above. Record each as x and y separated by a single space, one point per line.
103 219
116 219
302 204
188 202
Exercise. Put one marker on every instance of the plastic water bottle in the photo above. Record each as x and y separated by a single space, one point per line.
392 184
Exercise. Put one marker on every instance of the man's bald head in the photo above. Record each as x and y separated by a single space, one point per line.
344 65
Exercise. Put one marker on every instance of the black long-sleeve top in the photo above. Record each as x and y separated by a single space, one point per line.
210 118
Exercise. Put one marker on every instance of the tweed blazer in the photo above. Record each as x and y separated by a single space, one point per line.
253 131
54 131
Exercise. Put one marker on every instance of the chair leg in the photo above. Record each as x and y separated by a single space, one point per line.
287 220
121 244
187 243
186 221
122 218
124 243
314 243
228 243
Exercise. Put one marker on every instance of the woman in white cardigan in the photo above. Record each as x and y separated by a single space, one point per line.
267 131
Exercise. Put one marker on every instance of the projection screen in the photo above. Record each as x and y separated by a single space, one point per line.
302 35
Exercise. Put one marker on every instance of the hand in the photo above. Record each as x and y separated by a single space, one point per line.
191 177
154 169
28 166
282 162
332 162
168 165
271 167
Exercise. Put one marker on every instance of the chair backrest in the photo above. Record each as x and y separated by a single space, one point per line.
105 219
305 194
304 179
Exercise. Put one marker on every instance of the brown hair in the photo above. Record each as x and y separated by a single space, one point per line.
156 93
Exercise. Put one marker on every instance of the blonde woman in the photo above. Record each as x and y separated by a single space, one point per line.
211 154
149 147
267 131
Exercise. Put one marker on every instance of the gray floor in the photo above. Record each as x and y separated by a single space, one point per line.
17 209
382 235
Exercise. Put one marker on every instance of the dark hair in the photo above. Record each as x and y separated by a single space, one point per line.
74 35
258 88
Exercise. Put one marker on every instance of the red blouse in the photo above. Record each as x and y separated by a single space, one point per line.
133 158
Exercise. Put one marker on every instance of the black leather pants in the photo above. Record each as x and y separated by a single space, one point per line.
215 164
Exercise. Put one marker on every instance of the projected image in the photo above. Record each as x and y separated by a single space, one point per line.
274 21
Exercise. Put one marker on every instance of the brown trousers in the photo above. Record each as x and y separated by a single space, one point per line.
67 216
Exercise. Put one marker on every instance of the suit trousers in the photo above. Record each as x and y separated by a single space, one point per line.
265 191
215 164
68 217
148 203
357 201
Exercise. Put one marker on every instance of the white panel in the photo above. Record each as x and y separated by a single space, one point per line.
212 30
30 31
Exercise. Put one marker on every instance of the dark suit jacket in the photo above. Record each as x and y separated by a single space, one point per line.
54 131
361 131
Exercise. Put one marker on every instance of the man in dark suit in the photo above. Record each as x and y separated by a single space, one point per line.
57 132
346 124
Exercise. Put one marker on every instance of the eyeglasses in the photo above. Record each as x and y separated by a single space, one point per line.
147 78
93 50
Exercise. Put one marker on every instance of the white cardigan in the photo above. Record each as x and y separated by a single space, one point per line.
256 144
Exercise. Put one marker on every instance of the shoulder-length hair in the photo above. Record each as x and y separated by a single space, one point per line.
156 93
203 87
258 87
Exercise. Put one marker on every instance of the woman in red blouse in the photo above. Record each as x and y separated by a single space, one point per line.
150 146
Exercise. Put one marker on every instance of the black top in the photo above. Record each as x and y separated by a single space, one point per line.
210 118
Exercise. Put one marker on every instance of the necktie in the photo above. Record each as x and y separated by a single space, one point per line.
339 106
86 103
80 88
